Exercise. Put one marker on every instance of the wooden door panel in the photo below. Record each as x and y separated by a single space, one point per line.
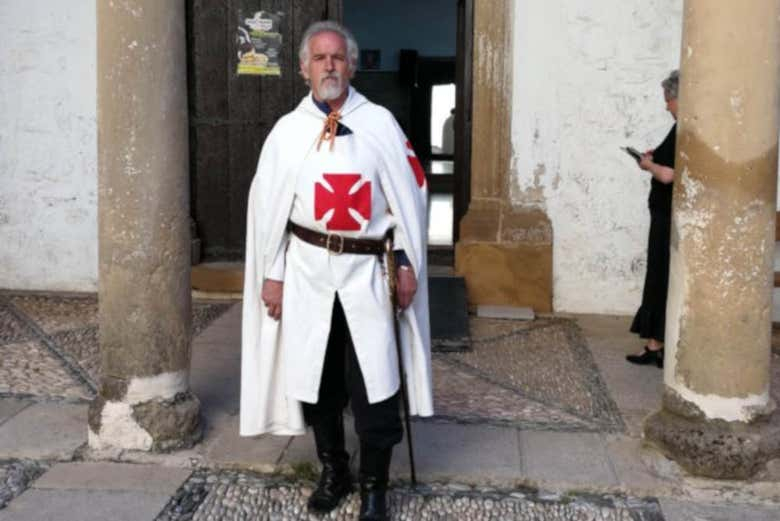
306 13
208 187
231 114
207 55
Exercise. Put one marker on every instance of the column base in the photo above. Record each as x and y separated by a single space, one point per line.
506 255
506 275
715 448
156 425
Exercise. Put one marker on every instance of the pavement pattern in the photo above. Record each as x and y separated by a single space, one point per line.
530 374
15 477
535 374
246 496
540 420
49 343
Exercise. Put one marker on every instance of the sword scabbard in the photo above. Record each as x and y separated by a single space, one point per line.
392 280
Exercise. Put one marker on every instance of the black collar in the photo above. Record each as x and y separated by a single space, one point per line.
341 130
322 105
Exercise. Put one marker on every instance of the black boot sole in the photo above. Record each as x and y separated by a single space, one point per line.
324 506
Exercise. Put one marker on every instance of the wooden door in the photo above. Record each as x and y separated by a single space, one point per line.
231 114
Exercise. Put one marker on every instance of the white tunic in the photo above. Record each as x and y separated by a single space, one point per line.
339 191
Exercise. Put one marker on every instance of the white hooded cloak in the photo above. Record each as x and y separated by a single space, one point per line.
266 404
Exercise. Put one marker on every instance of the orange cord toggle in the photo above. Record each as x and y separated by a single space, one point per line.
329 130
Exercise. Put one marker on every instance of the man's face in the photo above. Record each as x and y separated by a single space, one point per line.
328 69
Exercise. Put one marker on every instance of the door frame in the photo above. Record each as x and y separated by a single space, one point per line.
464 57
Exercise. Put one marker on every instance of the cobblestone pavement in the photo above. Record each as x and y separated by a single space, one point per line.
49 343
245 496
15 477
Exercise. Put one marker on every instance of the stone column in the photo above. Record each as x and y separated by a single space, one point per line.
505 250
144 240
717 417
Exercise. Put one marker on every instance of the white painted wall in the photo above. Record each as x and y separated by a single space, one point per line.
586 81
48 145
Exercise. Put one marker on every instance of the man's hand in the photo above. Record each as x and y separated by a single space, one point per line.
272 297
407 286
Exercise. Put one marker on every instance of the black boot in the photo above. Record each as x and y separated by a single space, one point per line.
335 482
374 470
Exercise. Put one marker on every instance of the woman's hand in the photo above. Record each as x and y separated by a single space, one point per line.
272 297
646 162
662 174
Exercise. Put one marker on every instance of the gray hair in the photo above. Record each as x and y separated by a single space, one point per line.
671 84
329 26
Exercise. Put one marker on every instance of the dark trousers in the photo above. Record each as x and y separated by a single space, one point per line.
378 425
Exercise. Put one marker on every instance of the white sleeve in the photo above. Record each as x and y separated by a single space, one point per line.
399 240
275 271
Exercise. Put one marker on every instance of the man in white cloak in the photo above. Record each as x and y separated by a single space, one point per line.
337 179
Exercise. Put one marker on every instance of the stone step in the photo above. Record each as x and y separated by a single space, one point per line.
228 277
449 313
447 295
218 277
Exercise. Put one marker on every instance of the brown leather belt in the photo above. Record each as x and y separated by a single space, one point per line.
338 243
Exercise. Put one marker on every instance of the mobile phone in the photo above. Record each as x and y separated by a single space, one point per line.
633 152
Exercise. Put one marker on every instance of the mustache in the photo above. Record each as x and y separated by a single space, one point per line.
330 76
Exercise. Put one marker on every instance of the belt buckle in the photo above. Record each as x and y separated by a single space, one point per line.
341 244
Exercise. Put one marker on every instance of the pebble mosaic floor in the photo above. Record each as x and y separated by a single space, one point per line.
15 477
245 496
49 344
536 374
530 374
533 375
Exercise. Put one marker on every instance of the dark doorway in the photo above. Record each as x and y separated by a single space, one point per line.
433 132
420 70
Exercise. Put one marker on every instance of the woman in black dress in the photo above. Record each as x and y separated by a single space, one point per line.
650 319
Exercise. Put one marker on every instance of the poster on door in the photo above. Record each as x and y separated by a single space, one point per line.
259 40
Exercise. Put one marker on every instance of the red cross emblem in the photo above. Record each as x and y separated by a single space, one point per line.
340 200
419 173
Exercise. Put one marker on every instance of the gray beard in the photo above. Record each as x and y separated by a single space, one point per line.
329 91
